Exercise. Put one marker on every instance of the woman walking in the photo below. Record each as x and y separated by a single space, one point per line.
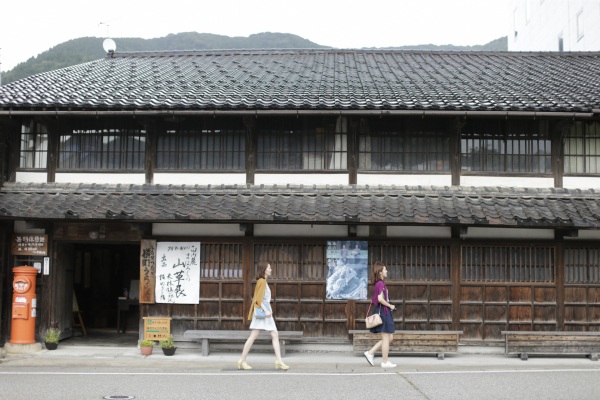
262 302
382 304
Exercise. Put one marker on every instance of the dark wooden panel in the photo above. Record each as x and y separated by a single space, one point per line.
441 312
471 312
287 290
521 294
575 313
416 312
335 310
575 295
471 293
544 313
285 310
210 290
441 293
520 313
313 291
182 310
545 295
311 311
496 313
232 290
496 294
416 292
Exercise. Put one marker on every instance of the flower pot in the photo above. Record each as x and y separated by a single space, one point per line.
146 350
169 351
51 345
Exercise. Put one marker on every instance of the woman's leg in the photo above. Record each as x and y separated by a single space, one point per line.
249 343
376 347
275 340
385 346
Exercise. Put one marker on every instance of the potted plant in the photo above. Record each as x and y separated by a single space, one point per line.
51 338
168 346
146 347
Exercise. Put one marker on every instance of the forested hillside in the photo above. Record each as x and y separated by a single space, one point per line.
85 49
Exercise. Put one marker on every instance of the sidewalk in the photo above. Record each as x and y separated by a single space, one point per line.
301 358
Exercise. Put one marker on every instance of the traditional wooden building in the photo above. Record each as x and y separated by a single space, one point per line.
473 176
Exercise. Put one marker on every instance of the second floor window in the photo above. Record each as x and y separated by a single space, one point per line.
204 149
304 148
102 149
34 147
582 148
510 147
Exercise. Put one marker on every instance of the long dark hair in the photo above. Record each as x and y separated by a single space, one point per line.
377 268
262 269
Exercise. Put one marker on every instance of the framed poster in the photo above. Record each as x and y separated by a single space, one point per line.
178 272
348 271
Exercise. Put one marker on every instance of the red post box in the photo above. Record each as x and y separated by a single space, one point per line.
22 329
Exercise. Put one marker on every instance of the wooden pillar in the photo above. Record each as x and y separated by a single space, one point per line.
455 278
559 280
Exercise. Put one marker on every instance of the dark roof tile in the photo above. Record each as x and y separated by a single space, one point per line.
319 79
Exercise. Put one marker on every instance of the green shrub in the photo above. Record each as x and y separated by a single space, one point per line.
147 343
167 343
52 335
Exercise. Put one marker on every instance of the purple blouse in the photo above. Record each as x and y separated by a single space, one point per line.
380 287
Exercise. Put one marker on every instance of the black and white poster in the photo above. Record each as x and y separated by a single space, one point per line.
348 271
178 272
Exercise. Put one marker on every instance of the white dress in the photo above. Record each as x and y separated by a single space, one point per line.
266 324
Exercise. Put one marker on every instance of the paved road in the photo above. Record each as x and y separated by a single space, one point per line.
83 383
82 373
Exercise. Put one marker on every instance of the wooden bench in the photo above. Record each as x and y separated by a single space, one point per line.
238 336
437 342
552 342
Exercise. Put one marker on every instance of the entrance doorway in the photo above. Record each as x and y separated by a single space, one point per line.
102 273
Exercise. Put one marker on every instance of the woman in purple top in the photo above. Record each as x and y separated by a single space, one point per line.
382 304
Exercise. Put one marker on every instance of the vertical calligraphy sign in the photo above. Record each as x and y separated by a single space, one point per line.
178 272
147 271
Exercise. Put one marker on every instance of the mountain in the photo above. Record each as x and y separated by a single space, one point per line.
77 51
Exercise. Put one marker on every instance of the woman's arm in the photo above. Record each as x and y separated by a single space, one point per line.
383 301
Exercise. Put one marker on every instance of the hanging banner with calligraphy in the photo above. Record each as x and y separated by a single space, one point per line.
178 272
29 245
147 271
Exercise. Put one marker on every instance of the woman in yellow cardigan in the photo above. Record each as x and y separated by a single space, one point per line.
262 300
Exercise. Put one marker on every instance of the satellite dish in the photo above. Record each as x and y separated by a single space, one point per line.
109 45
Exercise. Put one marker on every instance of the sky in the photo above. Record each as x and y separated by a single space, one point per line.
30 27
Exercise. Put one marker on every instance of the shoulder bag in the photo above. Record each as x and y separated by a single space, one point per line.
259 313
373 320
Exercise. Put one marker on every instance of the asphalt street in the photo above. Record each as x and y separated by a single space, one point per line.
102 372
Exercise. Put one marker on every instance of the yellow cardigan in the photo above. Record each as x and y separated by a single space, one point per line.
259 293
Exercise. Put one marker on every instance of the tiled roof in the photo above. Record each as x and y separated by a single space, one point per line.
303 204
317 80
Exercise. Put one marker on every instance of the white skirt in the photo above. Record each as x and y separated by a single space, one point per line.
265 324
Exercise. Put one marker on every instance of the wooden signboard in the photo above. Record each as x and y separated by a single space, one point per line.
29 245
147 271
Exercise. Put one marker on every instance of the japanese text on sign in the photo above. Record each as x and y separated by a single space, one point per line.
178 272
29 245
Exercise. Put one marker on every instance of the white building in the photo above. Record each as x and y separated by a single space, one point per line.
555 25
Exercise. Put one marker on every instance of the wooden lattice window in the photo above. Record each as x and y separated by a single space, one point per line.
301 145
119 148
34 146
413 262
512 146
507 263
293 261
582 265
582 148
407 145
206 149
221 261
